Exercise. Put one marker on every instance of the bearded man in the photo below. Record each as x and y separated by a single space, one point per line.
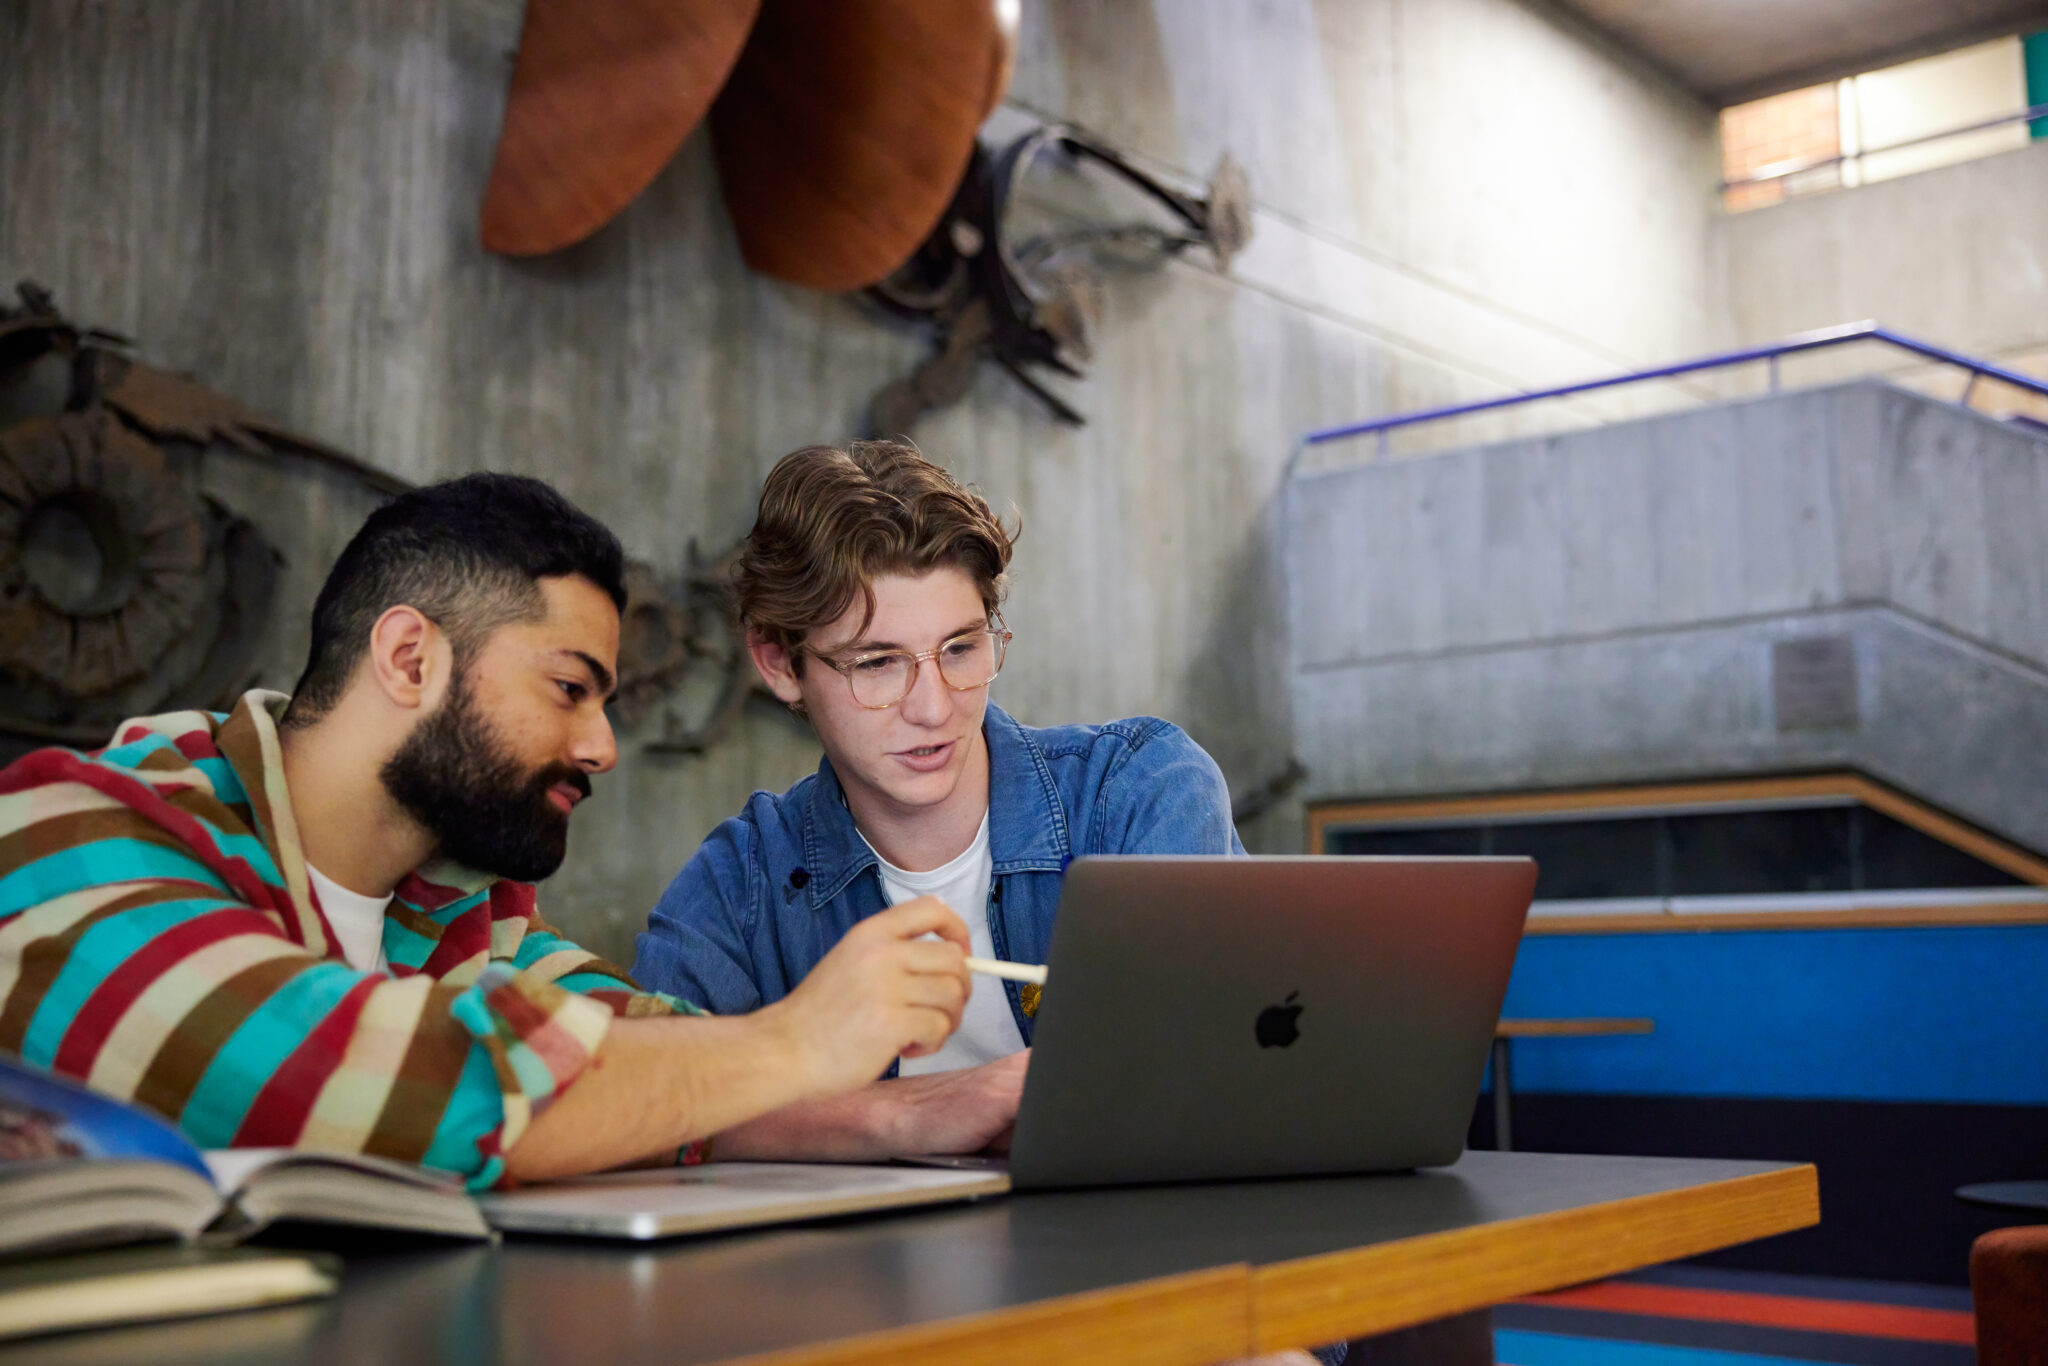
311 921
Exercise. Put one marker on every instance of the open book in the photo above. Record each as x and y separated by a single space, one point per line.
78 1169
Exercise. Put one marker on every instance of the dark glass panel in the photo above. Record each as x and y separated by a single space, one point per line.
1805 849
1722 853
1432 841
1896 856
1583 859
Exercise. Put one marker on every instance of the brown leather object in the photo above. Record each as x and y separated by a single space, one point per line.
603 94
846 127
2009 1282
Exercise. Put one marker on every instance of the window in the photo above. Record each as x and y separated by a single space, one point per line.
1932 112
1837 846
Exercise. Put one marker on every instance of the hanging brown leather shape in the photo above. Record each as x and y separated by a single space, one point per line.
846 126
603 93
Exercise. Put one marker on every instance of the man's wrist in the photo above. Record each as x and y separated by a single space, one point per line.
787 1051
885 1117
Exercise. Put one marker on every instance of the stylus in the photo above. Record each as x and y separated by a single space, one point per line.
1033 973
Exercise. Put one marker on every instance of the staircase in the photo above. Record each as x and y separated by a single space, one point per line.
1844 577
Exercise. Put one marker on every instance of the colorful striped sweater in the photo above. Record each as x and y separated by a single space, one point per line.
159 941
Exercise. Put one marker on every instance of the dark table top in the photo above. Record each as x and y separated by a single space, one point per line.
713 1299
2007 1194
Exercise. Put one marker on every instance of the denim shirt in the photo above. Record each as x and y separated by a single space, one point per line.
775 887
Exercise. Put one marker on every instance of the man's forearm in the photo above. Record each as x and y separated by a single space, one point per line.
940 1112
656 1084
854 1127
884 991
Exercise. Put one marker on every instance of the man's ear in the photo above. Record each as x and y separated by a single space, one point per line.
410 658
776 668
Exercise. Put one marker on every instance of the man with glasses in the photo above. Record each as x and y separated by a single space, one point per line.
869 589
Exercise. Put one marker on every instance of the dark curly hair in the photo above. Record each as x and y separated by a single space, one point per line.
467 554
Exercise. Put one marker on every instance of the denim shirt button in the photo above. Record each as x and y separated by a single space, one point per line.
798 877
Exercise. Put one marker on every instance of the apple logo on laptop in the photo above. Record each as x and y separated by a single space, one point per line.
1276 1027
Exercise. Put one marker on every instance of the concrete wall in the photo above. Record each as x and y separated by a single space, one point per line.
1603 606
1956 256
280 196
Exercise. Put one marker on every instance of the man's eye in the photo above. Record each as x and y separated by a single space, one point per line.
575 692
875 664
966 647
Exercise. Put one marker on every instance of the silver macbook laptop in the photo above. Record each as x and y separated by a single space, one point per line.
1224 1017
1240 1017
667 1202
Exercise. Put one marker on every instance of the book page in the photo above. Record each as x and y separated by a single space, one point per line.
233 1168
46 1117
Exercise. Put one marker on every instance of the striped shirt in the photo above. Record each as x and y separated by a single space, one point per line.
159 941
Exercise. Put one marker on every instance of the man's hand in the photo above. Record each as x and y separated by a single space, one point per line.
883 991
963 1111
940 1112
654 1084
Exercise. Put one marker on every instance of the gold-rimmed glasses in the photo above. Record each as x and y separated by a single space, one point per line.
882 678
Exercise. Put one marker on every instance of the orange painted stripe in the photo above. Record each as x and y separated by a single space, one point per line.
1768 1311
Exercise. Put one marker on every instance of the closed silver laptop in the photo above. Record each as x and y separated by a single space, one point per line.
1240 1017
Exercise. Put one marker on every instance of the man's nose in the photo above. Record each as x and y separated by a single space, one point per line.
595 749
929 700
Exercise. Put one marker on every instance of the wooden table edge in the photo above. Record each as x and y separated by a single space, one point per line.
1572 1029
1189 1319
1408 1281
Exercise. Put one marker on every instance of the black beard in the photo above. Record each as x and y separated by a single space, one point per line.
456 778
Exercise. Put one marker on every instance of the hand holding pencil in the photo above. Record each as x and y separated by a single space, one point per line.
1034 973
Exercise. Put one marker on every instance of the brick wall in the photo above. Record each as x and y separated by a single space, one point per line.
1797 126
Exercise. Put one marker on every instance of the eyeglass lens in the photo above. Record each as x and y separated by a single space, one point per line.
968 661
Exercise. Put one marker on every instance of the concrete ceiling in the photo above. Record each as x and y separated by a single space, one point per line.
1728 51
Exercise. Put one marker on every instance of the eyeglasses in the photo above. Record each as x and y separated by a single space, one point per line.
883 678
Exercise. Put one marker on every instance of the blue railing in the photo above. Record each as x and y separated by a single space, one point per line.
1769 354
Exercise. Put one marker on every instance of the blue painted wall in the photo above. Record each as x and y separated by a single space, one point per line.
2034 47
1918 1015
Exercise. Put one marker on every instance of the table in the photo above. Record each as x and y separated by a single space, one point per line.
1503 1098
1158 1276
2007 1194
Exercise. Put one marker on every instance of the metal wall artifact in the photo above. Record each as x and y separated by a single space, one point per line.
123 589
996 290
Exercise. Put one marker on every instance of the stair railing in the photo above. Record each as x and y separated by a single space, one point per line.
1770 354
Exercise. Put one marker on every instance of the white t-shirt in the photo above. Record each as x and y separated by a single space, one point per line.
987 1028
357 920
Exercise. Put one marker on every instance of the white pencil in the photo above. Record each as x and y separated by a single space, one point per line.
1033 973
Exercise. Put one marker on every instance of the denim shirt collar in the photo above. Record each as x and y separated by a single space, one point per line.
1027 826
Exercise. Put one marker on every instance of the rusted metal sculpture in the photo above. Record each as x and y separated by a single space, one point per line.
840 129
684 648
122 588
846 148
1033 302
